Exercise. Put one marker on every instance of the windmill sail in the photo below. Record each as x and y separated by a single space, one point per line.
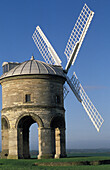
65 91
77 35
45 48
74 88
90 109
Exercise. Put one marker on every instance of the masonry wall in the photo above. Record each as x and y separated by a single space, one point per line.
46 102
43 92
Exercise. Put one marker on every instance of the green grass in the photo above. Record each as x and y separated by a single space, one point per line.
28 164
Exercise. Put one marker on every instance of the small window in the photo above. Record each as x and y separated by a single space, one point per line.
27 98
58 100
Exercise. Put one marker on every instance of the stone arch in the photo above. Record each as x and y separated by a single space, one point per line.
5 123
57 125
5 136
23 124
58 121
35 117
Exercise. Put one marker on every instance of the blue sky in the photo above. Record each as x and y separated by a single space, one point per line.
18 20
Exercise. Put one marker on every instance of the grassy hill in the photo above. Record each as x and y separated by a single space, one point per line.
76 163
78 159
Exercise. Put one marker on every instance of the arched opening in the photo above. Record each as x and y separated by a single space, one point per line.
58 136
23 128
5 137
4 124
33 140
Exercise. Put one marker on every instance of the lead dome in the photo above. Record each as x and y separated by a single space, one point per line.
32 67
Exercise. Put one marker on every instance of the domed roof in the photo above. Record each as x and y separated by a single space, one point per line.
32 67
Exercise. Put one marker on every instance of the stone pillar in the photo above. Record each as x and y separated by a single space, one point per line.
45 144
57 143
5 143
53 141
20 143
60 143
13 149
26 142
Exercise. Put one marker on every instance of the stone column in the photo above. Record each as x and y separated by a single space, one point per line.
26 142
57 143
13 149
45 144
60 143
53 141
20 143
5 143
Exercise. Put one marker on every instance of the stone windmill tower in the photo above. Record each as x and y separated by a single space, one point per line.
32 92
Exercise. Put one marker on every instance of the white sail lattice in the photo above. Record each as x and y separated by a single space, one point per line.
90 109
65 91
45 48
78 33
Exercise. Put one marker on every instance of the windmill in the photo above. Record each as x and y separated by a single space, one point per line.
71 51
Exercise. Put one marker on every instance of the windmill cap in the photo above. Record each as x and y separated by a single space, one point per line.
33 67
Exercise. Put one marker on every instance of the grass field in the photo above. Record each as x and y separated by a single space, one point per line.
28 164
